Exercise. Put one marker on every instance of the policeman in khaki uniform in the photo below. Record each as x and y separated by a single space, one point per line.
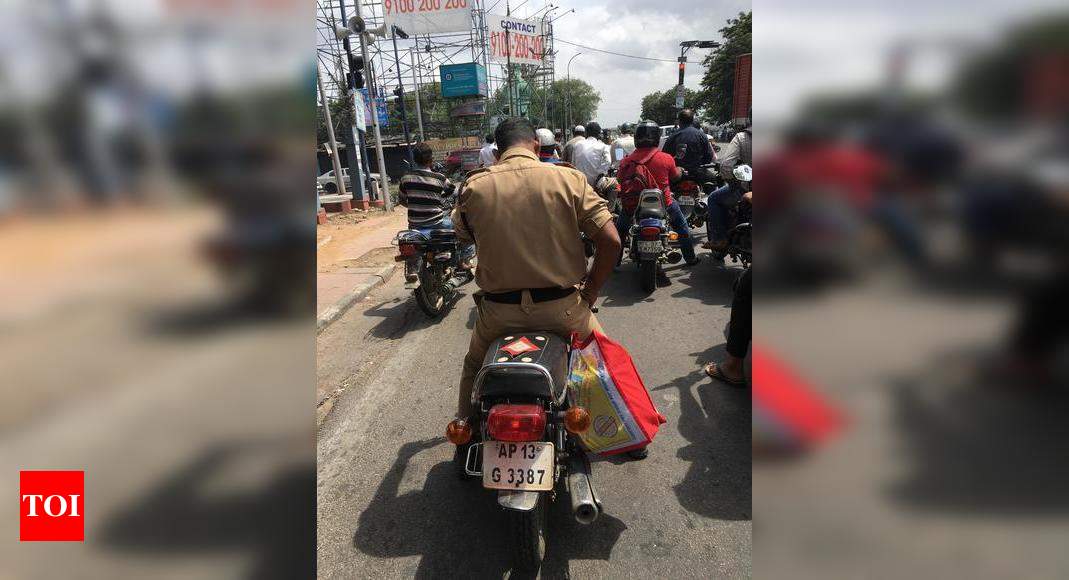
525 217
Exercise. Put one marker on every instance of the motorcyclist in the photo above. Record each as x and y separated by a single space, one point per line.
428 195
664 170
690 147
721 201
547 146
623 145
512 207
591 155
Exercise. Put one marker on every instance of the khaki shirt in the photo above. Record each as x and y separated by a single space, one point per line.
525 217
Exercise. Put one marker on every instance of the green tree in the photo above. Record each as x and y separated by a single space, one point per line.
718 82
661 105
575 99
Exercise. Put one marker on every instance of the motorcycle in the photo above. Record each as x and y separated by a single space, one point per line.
691 191
524 445
740 236
651 242
432 265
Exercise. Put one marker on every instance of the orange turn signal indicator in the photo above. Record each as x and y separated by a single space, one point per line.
577 420
458 432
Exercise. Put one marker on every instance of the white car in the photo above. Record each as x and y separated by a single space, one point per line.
330 185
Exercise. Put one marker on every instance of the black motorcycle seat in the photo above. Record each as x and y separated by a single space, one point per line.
649 212
443 234
538 348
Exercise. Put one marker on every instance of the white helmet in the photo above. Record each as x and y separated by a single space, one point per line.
579 129
545 137
743 173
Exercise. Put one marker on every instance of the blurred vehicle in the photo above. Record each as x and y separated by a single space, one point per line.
666 131
330 184
461 161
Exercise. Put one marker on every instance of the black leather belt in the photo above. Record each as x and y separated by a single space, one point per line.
537 295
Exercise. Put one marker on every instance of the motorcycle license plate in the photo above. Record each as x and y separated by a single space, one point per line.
686 201
649 246
526 466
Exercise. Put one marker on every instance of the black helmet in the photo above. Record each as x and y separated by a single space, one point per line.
647 134
627 128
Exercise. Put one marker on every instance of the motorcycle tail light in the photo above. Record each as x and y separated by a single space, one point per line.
508 422
650 233
407 249
576 420
458 432
673 236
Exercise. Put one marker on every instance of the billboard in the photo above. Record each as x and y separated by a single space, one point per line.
428 16
515 40
469 109
463 80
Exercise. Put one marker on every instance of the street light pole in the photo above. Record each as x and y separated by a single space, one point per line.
419 108
338 177
352 138
401 94
567 91
384 180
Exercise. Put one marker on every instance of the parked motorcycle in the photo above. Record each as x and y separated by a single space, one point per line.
432 262
740 236
651 241
523 444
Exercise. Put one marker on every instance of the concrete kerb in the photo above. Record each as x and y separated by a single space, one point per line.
340 307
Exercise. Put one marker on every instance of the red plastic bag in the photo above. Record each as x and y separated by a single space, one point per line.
604 381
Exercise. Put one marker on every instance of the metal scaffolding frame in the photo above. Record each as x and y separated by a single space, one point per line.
421 55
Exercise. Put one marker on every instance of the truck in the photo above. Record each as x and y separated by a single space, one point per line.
742 97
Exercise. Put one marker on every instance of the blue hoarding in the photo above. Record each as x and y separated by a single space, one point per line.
463 80
380 107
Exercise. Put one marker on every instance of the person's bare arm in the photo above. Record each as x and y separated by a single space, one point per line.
607 250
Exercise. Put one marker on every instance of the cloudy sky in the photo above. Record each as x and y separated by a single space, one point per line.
639 27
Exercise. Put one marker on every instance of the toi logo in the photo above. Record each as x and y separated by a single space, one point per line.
51 506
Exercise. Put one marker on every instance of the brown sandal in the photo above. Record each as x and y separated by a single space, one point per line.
713 370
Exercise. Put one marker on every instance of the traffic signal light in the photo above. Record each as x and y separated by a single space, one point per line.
356 70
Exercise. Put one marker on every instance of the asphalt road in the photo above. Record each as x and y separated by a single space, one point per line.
390 506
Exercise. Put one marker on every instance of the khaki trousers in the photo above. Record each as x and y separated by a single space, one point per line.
561 317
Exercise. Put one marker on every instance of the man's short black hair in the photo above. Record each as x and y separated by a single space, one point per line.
686 118
593 129
489 137
423 154
513 131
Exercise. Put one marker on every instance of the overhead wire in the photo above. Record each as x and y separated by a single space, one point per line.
614 53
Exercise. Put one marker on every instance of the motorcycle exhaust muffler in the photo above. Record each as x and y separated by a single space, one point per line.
674 256
585 506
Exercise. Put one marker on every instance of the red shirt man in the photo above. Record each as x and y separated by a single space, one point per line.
660 164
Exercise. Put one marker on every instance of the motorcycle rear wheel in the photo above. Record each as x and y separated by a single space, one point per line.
648 275
528 536
432 303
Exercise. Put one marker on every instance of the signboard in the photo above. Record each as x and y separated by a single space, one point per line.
525 43
463 80
742 98
679 96
468 109
380 107
428 16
